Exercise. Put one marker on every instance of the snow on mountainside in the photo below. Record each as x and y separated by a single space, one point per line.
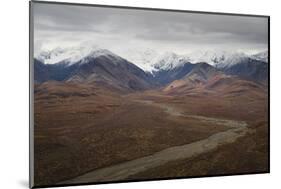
169 60
71 55
232 60
224 59
210 57
153 62
149 60
262 56
57 55
142 58
219 59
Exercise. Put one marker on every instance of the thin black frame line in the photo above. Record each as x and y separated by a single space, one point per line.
31 100
150 9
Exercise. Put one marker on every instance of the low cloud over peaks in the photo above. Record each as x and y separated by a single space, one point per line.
120 29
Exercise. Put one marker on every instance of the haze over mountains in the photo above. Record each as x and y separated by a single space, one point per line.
169 70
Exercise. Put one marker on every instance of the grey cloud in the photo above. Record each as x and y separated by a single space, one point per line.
143 26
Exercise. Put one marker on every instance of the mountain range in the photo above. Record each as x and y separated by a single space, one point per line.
170 72
101 67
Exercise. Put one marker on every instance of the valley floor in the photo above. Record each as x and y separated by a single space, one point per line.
93 135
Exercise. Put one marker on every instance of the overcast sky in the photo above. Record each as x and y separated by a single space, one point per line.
120 30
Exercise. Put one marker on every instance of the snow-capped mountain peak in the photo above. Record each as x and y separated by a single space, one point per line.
147 59
142 58
262 56
170 60
231 60
218 59
72 55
